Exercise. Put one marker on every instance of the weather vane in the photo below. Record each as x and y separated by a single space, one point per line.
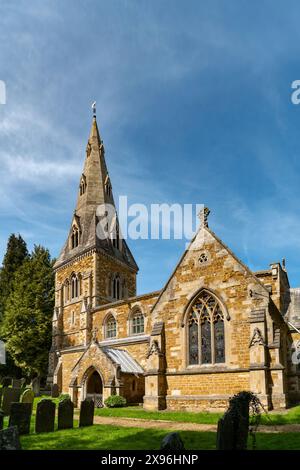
94 108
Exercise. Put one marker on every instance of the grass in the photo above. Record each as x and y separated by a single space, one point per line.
292 416
104 437
100 437
179 416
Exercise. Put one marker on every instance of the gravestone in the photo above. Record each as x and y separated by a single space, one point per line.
35 385
54 391
233 427
65 414
45 416
9 439
172 442
20 416
17 383
10 395
1 419
86 417
6 381
27 396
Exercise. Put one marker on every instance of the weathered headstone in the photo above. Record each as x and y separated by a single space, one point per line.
35 385
6 381
45 416
1 419
10 395
17 383
172 442
9 439
65 414
20 416
27 397
233 427
54 391
86 417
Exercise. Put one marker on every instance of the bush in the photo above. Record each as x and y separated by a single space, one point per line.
115 401
64 396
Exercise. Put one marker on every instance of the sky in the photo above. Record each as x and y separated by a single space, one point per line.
193 105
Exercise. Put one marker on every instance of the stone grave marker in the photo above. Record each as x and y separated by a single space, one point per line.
86 417
65 414
10 395
9 439
54 391
27 396
233 427
35 385
6 381
172 442
17 383
45 416
20 416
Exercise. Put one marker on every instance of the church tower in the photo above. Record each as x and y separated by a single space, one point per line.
90 271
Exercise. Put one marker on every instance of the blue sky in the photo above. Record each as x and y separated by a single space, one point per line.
193 105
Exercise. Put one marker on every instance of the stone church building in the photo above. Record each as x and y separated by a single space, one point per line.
214 329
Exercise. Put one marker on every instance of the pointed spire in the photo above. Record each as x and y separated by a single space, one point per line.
94 134
94 190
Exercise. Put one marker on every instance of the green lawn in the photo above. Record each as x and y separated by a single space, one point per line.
100 437
291 417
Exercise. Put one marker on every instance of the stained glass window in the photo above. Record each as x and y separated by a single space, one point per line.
205 342
193 343
219 341
206 335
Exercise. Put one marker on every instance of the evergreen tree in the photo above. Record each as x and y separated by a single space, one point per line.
16 253
26 327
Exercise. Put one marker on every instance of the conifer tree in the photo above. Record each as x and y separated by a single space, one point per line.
16 253
26 327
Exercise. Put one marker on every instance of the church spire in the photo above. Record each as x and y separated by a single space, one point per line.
94 190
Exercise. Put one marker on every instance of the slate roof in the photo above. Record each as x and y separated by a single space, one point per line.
124 360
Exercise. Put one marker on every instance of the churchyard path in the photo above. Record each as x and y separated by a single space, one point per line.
180 426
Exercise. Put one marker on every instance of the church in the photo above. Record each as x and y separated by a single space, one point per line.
215 328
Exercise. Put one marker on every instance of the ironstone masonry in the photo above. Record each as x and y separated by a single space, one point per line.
215 328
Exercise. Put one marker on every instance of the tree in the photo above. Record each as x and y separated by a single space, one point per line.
26 327
16 253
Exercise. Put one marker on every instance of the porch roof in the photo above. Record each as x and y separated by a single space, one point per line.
124 359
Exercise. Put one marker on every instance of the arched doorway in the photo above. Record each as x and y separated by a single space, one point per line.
94 388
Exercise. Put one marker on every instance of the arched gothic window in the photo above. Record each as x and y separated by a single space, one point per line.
206 336
137 322
75 237
67 291
75 286
116 287
82 186
111 327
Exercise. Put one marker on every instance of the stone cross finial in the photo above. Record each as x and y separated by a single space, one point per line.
203 216
94 108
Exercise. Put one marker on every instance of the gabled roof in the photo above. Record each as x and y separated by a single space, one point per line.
204 227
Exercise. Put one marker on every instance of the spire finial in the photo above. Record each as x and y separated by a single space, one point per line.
94 108
203 216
